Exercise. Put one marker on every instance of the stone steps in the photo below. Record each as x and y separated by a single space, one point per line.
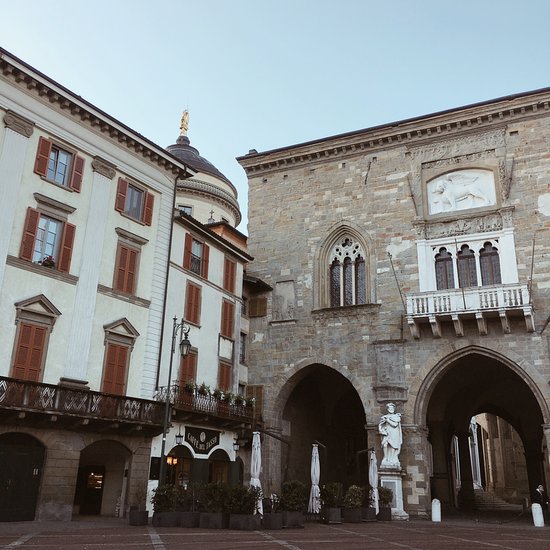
486 501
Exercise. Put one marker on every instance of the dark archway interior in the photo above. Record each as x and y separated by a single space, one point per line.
477 384
325 407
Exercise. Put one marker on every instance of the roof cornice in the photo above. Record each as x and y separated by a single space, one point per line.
479 117
45 89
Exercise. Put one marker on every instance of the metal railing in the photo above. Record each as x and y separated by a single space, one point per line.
468 300
34 396
194 401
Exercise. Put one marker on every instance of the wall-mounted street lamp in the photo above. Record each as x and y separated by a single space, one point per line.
179 437
184 347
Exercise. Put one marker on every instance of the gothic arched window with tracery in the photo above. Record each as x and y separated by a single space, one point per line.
347 272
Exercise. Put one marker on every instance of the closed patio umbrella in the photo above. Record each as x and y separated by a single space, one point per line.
373 478
255 469
315 494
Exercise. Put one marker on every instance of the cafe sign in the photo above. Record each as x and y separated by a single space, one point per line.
201 441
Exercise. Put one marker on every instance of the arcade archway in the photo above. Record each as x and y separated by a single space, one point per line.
481 384
324 406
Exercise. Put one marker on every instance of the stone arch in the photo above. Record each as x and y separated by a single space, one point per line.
336 232
427 379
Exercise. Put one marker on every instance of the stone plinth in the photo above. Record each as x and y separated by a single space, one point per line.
392 478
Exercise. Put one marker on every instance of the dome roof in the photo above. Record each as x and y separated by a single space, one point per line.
189 155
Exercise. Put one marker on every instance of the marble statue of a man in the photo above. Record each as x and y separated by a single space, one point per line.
392 438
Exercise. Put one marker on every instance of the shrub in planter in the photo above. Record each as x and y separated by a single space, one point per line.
368 512
241 504
186 506
138 515
385 497
164 500
331 496
214 500
293 502
273 518
353 501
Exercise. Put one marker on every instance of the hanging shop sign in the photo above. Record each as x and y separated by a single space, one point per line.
201 441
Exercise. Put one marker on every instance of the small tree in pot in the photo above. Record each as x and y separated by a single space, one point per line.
242 502
331 495
368 512
385 498
186 506
353 501
214 499
293 503
164 500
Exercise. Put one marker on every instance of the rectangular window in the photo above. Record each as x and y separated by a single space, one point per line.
47 241
59 165
224 376
185 209
29 352
227 321
114 372
134 202
229 275
193 303
242 349
126 269
257 306
188 368
196 256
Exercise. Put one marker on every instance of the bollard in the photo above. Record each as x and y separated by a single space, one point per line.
436 510
538 518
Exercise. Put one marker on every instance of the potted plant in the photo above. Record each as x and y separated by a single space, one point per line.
353 500
241 504
368 512
186 505
385 498
164 505
293 503
138 515
214 500
239 399
273 517
189 387
218 394
331 496
203 390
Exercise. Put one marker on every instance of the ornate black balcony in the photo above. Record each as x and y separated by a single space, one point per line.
32 403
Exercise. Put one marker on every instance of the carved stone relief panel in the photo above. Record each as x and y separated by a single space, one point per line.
284 301
390 372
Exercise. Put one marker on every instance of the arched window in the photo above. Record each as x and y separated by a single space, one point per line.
490 265
444 272
347 273
466 266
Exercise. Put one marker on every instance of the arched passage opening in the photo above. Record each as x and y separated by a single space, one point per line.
476 404
323 406
101 482
21 460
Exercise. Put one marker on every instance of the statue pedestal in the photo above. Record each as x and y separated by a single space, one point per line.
392 478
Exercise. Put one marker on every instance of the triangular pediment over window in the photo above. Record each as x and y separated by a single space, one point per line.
37 305
122 327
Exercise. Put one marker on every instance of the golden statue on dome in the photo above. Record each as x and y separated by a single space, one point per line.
184 123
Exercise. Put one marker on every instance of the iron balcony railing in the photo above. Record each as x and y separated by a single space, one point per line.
47 398
468 300
193 401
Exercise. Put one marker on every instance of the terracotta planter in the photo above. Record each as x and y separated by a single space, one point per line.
138 517
333 515
245 522
273 521
352 515
189 519
292 520
384 514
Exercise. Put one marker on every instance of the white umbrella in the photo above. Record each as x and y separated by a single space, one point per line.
315 494
373 478
255 469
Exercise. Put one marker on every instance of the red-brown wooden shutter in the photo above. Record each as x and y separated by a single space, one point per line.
188 369
229 274
228 313
224 376
29 351
114 376
76 176
121 191
66 250
192 304
29 234
187 251
125 271
257 307
205 260
42 156
148 210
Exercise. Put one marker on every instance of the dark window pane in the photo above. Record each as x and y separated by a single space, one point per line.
360 281
444 272
466 267
490 265
348 282
335 284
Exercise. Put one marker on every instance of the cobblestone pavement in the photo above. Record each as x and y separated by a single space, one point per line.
113 534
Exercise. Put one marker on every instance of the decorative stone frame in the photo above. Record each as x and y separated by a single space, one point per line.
135 242
338 232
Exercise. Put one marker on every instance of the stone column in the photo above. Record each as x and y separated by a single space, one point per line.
440 479
76 366
466 498
12 160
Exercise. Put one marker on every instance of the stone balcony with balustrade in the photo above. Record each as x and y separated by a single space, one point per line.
458 305
33 403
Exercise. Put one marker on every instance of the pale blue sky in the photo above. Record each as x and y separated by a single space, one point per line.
265 74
